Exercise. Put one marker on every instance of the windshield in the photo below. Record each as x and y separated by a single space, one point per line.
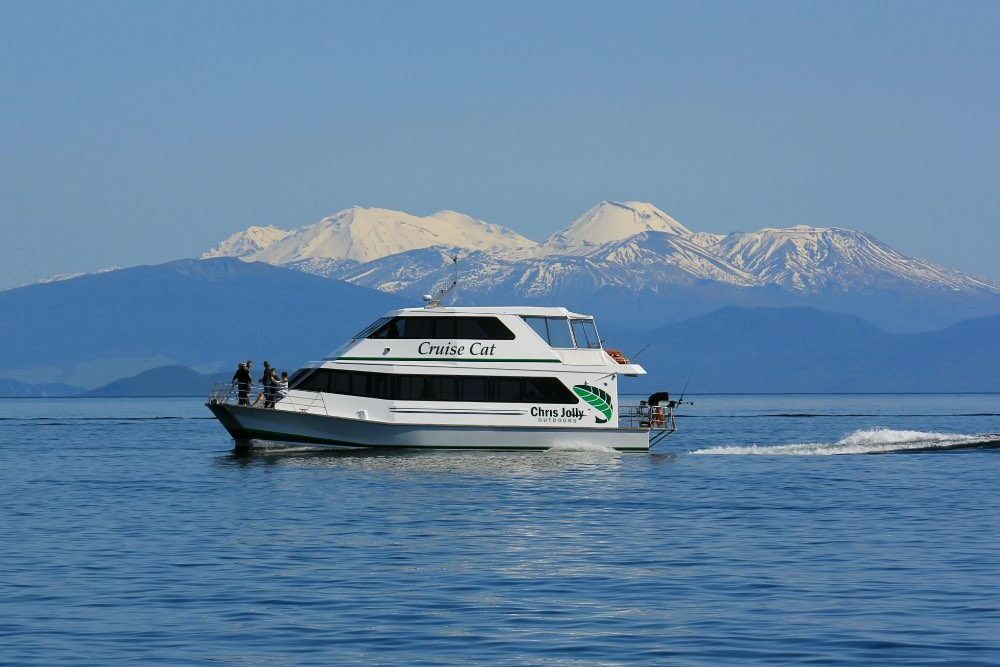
586 334
553 330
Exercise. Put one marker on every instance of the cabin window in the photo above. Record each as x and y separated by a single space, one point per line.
443 328
476 389
444 388
585 334
539 326
298 375
553 330
482 328
366 332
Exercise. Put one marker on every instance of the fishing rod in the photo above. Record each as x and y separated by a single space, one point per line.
681 400
633 356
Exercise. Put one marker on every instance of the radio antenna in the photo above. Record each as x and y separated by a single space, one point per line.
431 301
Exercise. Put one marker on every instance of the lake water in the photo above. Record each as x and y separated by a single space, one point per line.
129 533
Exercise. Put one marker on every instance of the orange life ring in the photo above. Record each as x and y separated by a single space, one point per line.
617 356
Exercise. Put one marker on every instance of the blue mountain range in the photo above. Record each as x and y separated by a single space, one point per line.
205 315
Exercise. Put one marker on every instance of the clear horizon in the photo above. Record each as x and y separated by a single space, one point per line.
140 133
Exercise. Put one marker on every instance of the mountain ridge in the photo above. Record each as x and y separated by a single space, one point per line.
634 237
365 234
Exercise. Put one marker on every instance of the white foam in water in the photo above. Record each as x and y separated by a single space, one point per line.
865 441
581 447
267 447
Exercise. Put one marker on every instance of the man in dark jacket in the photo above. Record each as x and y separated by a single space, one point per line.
243 379
267 382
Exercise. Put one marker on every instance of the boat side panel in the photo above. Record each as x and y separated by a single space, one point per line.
284 426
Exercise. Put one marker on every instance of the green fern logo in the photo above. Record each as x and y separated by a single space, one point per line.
596 397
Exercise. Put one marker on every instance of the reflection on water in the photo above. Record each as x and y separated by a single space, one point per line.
132 535
408 461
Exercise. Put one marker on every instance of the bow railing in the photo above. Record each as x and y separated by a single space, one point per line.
267 397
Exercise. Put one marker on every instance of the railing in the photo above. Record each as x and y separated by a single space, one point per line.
259 396
653 417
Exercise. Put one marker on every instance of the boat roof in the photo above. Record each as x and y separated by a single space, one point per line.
537 311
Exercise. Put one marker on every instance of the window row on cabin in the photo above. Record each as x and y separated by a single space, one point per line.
560 332
452 388
441 328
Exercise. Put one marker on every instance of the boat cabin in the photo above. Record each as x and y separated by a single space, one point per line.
468 362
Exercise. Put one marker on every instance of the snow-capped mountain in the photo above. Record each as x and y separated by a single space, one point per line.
621 253
247 242
365 234
610 221
649 260
809 259
666 257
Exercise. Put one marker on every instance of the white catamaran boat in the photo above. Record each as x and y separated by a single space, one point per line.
458 378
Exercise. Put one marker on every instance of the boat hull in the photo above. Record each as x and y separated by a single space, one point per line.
252 423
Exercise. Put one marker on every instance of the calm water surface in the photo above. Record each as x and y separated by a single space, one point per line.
129 533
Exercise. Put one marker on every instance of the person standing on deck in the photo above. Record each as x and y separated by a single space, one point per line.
242 380
267 384
271 388
281 389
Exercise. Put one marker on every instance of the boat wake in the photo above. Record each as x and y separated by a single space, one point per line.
586 447
867 441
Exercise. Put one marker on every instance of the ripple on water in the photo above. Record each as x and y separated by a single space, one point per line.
145 540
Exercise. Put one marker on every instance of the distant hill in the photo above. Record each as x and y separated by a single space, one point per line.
807 350
162 381
206 314
13 388
750 350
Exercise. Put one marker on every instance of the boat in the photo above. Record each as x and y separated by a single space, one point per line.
434 377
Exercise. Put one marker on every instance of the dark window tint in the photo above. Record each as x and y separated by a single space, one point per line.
298 375
391 329
482 328
364 333
444 328
475 389
507 390
448 388
340 383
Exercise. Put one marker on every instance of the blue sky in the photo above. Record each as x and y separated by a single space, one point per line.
142 132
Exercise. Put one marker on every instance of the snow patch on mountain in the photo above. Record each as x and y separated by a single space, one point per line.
59 277
705 239
808 259
646 261
667 257
610 221
328 267
365 234
247 242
